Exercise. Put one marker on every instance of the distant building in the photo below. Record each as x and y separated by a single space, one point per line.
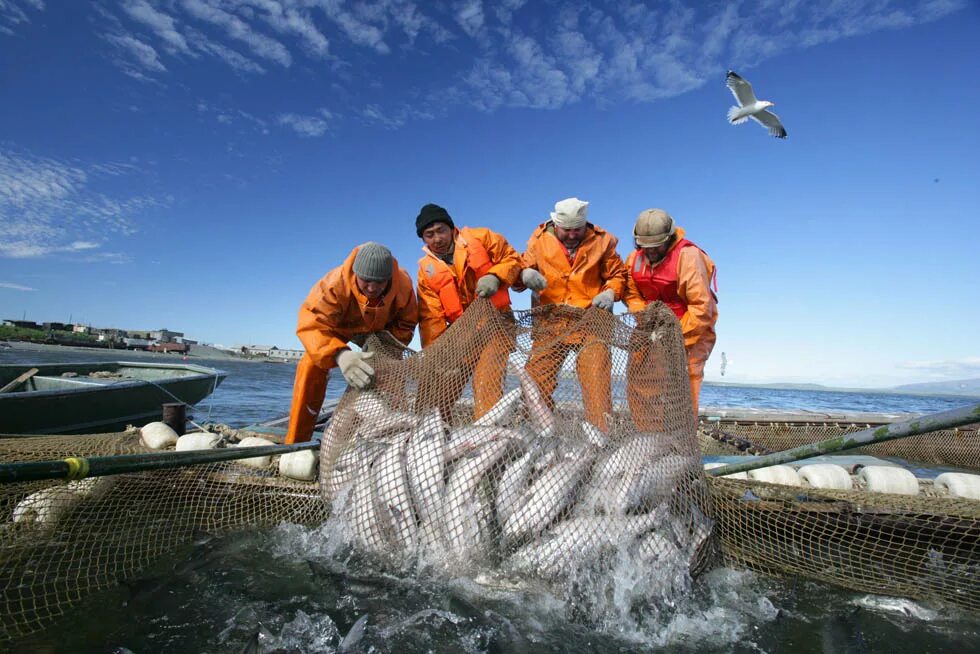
23 324
57 327
136 343
81 329
165 335
286 355
111 335
270 351
185 341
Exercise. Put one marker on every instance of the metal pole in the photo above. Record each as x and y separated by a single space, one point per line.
98 466
912 427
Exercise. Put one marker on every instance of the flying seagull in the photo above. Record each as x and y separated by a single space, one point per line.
751 107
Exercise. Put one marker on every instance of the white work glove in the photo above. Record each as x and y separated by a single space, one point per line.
487 285
533 279
604 300
355 369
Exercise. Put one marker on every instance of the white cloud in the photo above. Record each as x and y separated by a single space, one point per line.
261 45
469 15
50 206
308 126
16 287
15 13
489 55
162 24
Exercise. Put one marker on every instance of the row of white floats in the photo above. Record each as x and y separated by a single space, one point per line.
876 479
300 465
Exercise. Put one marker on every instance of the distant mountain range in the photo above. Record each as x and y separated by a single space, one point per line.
965 387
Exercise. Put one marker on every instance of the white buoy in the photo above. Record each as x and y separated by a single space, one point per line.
48 506
201 440
959 484
888 479
734 475
256 461
825 475
158 435
298 465
778 474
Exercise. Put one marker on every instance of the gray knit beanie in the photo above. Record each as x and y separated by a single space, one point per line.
373 262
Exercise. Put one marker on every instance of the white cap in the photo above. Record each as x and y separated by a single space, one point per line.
570 213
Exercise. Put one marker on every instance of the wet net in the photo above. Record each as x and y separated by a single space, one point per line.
546 443
62 541
949 447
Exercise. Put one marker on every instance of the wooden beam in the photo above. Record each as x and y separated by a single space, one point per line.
20 380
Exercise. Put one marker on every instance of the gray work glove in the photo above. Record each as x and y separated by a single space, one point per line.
533 279
487 285
604 300
355 369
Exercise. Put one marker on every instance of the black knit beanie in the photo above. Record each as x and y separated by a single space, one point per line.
432 213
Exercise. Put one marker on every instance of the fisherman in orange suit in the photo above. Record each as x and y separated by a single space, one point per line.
459 266
573 262
368 293
666 266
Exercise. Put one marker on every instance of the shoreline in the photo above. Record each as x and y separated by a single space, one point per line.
196 352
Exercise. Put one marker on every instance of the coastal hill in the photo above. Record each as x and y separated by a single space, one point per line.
964 387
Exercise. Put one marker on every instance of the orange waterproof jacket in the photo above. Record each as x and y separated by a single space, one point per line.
597 266
336 310
693 276
444 292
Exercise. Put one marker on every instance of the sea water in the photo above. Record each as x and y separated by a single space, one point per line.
298 589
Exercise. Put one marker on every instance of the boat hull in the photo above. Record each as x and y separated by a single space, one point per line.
49 403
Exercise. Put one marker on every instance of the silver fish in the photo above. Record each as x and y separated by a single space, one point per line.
652 483
542 418
362 512
348 466
354 636
465 515
513 484
390 423
426 459
603 491
336 437
467 439
594 435
500 413
580 541
369 405
547 498
394 495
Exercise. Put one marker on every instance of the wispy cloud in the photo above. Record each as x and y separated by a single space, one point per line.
308 126
16 13
16 287
491 55
50 206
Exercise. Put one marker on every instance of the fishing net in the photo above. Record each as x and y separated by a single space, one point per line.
950 447
549 442
62 541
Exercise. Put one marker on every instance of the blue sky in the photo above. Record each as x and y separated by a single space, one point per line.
198 164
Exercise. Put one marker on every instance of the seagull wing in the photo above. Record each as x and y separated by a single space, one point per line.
770 121
741 89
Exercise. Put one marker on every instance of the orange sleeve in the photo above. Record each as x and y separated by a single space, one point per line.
528 260
694 287
506 262
432 319
405 311
631 296
613 273
319 318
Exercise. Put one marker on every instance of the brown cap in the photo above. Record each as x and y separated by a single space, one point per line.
653 227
